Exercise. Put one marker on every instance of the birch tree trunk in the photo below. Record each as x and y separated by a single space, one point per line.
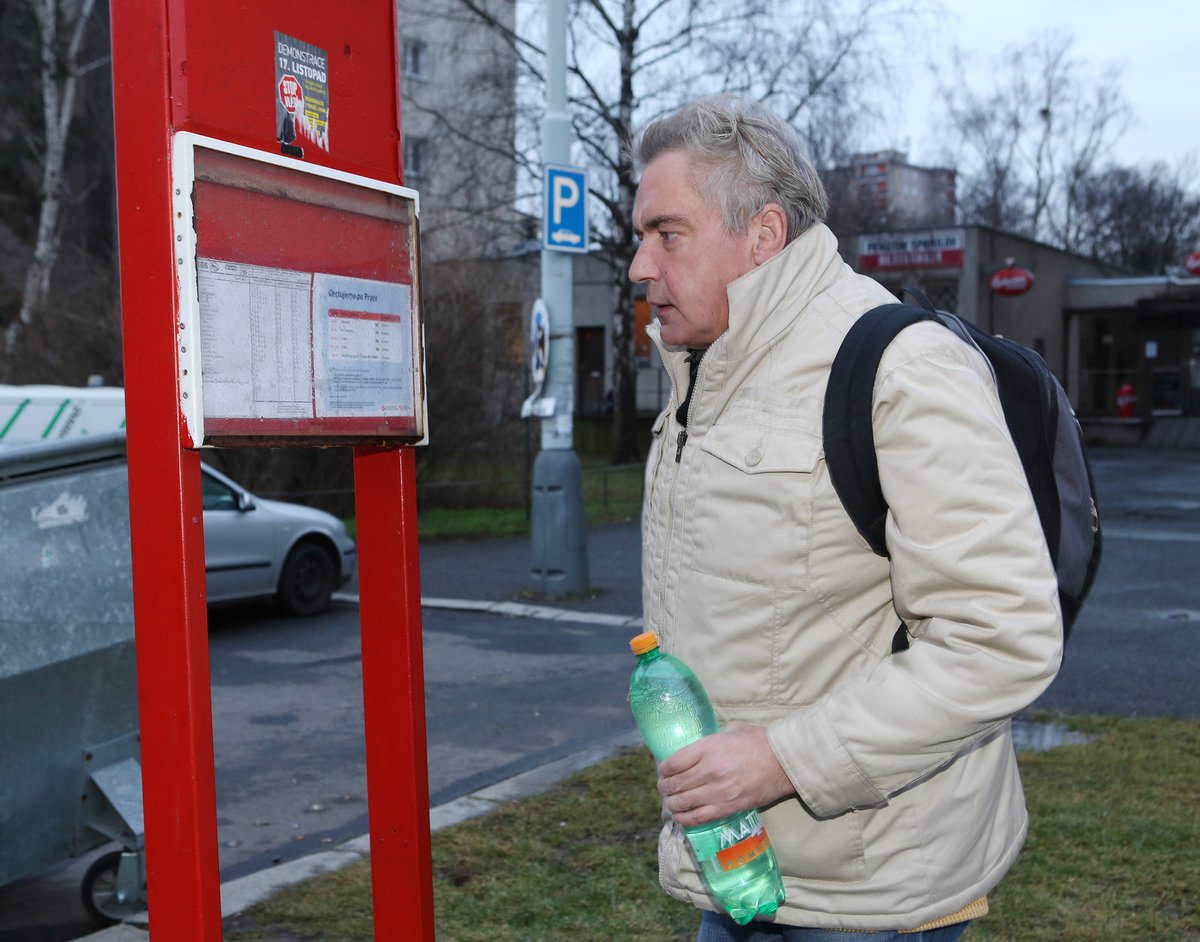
60 71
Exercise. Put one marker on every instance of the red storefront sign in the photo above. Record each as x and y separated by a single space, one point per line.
1010 281
1192 263
938 248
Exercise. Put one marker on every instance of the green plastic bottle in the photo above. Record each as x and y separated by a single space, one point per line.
734 854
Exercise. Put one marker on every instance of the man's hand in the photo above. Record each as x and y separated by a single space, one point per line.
730 771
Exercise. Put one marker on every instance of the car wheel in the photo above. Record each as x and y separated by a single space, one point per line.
307 582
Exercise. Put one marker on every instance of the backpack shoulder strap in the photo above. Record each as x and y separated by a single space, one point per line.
919 296
849 438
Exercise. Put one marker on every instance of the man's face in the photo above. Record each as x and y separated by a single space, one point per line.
686 256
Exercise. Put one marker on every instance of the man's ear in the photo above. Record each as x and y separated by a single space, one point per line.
770 232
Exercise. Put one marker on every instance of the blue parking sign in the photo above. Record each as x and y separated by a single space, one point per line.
564 215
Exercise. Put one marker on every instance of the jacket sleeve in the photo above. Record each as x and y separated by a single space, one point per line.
971 578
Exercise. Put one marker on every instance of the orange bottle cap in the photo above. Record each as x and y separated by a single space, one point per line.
647 641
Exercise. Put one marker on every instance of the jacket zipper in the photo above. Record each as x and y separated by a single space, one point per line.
655 481
658 469
682 437
657 484
680 440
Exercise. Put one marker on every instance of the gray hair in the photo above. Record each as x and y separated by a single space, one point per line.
744 157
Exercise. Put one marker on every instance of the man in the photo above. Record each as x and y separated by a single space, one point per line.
887 782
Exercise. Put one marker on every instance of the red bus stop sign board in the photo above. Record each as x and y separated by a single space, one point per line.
180 70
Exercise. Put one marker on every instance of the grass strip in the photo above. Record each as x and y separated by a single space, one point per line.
611 494
1113 853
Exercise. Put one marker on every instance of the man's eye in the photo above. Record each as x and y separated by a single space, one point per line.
668 236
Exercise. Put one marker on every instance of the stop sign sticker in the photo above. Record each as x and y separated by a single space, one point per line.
290 93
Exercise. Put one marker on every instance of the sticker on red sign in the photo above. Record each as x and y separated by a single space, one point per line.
301 95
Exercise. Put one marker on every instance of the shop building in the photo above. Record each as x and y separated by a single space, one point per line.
1136 337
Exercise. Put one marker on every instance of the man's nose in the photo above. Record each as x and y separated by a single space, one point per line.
642 268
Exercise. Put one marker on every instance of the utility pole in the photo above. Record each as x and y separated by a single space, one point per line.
559 564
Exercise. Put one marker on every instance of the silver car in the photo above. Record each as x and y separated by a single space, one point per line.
254 548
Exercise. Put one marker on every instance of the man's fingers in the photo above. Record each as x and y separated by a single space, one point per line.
728 772
681 761
672 785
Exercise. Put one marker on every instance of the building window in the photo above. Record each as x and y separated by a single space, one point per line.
415 157
413 59
943 292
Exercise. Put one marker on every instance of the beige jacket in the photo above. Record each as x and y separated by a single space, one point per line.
909 803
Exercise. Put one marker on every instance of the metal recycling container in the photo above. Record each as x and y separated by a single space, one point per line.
49 413
70 779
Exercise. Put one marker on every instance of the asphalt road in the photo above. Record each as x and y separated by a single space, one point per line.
505 694
1135 649
288 718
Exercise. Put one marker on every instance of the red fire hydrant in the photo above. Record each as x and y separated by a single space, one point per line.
1126 400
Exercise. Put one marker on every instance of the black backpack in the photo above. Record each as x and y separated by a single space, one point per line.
1040 419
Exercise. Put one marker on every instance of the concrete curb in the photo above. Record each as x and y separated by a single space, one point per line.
239 895
518 610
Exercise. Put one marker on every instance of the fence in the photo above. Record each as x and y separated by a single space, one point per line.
607 489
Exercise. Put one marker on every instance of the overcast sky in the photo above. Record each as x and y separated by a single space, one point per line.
1158 41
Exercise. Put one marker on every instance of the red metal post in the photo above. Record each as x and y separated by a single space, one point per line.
177 66
165 509
394 694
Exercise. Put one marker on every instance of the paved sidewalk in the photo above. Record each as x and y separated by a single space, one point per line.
1174 432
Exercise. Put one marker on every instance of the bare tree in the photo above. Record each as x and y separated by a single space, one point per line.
812 60
61 31
993 191
1027 143
1145 219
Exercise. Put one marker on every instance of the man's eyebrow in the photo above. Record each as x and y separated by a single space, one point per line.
663 219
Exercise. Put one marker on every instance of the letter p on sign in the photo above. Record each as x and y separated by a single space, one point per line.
564 216
566 195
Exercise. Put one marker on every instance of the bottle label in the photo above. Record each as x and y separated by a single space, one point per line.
744 850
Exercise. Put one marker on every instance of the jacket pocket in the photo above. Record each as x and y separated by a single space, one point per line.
757 450
826 851
751 505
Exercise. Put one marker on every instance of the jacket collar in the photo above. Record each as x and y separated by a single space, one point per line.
765 300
